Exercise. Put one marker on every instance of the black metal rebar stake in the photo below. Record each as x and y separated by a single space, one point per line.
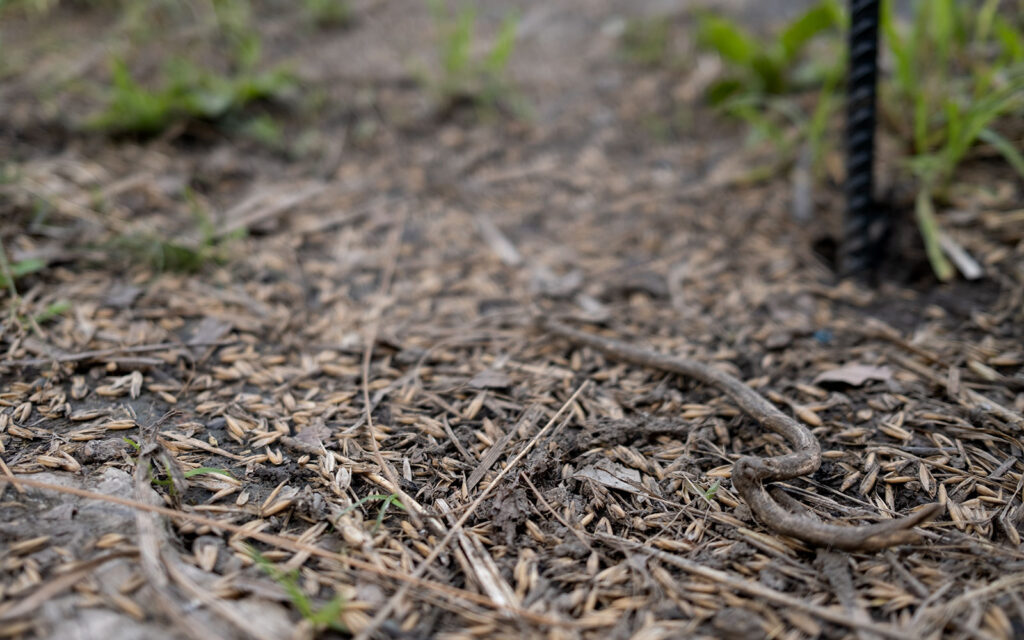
866 225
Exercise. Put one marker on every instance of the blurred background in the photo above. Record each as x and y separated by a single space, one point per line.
241 88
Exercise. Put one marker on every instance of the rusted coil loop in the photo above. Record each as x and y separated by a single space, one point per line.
775 510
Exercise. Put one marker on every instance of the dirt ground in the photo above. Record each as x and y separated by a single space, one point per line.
357 388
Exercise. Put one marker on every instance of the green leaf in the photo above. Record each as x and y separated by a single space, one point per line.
721 91
770 72
22 268
900 47
814 21
132 107
213 102
390 500
362 501
918 40
942 23
1006 148
1010 38
929 227
328 615
52 311
457 43
27 266
984 19
728 39
981 113
712 490
504 45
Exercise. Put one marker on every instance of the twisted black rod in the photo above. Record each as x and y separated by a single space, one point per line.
865 226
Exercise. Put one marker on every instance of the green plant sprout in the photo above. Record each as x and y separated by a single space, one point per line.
188 92
51 311
763 76
327 616
183 90
189 473
465 76
774 66
712 490
388 500
11 272
169 482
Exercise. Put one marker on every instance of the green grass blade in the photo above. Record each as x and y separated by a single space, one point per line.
1005 148
984 20
504 45
391 500
982 113
899 46
816 20
362 501
457 42
728 39
52 311
942 31
929 226
19 269
712 490
1011 39
329 614
326 616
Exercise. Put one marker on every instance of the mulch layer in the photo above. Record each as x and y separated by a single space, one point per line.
370 400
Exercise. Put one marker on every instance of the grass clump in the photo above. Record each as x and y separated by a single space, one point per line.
219 77
188 92
958 78
766 81
956 82
466 76
762 67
